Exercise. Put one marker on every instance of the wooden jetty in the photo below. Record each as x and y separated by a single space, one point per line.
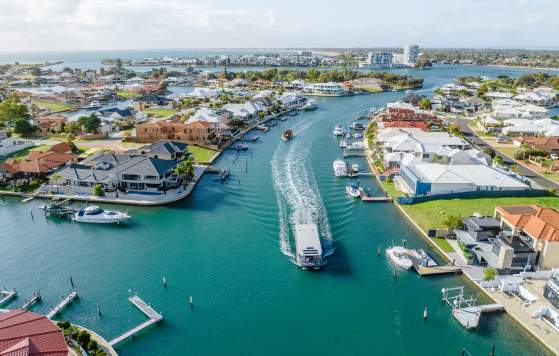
154 317
425 265
63 303
464 309
29 302
353 154
28 199
368 198
7 295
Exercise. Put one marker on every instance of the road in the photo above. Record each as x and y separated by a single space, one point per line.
481 145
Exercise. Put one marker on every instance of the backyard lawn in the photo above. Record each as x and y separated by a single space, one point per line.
443 244
161 112
53 106
201 155
126 94
430 215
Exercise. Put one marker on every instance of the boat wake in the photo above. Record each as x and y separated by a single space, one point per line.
299 200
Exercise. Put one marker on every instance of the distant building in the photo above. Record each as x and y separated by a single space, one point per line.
378 60
411 53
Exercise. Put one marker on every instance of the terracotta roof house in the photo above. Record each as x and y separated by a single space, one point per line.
51 123
200 133
423 125
536 225
26 333
548 144
40 163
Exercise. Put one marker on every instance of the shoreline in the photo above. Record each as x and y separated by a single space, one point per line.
446 257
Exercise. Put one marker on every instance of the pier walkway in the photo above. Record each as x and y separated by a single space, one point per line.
7 295
29 302
63 303
464 309
154 317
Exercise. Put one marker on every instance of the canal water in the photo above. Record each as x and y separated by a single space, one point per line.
228 246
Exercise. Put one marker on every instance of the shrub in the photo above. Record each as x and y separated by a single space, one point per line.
84 338
63 324
452 221
489 274
92 346
97 190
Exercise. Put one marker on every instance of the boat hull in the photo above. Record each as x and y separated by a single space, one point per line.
404 263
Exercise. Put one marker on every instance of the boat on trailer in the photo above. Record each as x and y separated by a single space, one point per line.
308 247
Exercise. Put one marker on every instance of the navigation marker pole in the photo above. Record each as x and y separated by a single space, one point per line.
164 282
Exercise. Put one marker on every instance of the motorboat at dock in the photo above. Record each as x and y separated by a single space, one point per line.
308 247
262 128
339 130
96 215
399 255
357 126
94 105
310 105
340 168
353 190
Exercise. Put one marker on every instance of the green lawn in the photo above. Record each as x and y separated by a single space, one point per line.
53 106
25 152
201 155
507 151
161 112
429 215
126 94
443 244
389 186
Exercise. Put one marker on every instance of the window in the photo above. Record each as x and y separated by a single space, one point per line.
150 177
130 177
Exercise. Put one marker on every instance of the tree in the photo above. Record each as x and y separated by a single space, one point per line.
498 160
489 274
90 123
23 127
454 129
84 338
452 221
425 104
185 168
54 179
490 151
11 109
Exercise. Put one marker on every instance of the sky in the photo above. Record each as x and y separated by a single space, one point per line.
37 25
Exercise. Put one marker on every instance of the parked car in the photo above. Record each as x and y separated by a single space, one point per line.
503 139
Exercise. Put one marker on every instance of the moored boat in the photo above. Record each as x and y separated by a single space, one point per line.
353 190
263 128
357 126
96 215
339 130
399 256
343 144
94 105
310 105
340 168
287 135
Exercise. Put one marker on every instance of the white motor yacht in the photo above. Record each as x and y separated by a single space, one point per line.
96 215
399 256
340 168
339 130
357 145
310 105
94 105
343 144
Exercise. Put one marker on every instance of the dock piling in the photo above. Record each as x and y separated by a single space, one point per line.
190 302
71 282
164 282
425 314
99 310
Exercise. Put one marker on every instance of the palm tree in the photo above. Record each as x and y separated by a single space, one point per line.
185 168
54 179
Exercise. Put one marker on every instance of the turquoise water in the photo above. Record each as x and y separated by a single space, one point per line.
223 246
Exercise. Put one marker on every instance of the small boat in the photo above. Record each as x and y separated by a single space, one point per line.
343 144
348 135
353 190
293 113
242 147
252 139
58 209
263 128
339 130
287 135
399 256
355 168
310 106
96 215
357 135
357 126
94 105
282 118
340 168
358 145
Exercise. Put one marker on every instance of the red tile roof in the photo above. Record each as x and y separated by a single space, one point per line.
27 333
538 222
407 124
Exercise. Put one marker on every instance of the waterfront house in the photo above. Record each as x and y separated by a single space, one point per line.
39 164
205 93
536 225
201 133
151 101
400 111
26 333
492 248
248 111
169 150
419 178
290 100
325 89
551 291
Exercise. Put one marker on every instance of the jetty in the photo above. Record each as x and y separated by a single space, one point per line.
154 317
464 309
368 198
353 154
7 295
425 265
29 302
63 303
